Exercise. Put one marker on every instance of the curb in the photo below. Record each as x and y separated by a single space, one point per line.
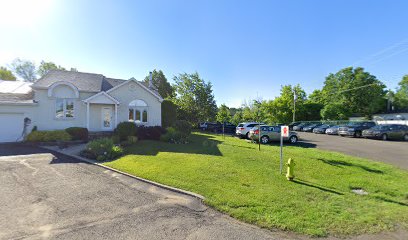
173 189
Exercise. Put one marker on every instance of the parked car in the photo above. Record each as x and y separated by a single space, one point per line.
332 130
271 133
218 127
242 130
300 126
291 125
309 128
321 129
355 129
387 131
203 125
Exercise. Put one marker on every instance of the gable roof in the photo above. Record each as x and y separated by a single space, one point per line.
104 95
154 92
86 82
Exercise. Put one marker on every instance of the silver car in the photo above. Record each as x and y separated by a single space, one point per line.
332 130
271 133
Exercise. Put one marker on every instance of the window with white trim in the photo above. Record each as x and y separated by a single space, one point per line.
138 111
64 108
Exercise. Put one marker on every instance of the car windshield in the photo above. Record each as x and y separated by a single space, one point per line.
240 125
351 124
324 126
380 127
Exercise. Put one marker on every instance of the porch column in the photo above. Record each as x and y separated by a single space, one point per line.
87 115
116 115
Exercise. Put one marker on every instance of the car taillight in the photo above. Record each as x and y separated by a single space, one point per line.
242 129
256 132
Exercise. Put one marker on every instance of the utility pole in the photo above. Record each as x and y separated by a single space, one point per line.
294 104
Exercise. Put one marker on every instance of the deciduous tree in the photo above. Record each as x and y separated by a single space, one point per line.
194 98
6 74
401 95
159 80
45 67
24 69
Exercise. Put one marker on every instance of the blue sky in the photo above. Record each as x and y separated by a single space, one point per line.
245 48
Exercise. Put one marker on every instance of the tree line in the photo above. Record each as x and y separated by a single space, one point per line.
345 93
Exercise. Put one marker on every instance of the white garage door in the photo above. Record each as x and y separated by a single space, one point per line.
11 126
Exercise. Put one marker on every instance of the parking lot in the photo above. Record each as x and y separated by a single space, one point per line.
392 152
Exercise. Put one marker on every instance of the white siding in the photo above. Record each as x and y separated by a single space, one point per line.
19 112
125 95
45 112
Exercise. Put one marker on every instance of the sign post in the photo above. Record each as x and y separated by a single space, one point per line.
284 133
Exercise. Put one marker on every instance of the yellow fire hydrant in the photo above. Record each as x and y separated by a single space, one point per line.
291 165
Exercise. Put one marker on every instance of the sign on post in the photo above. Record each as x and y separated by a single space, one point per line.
284 133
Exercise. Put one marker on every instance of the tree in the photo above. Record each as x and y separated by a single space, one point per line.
280 110
45 67
356 90
335 111
195 99
169 113
223 114
237 117
401 95
159 80
24 69
6 74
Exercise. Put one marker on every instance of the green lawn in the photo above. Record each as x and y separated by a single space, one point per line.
239 180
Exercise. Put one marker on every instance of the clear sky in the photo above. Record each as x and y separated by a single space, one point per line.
245 48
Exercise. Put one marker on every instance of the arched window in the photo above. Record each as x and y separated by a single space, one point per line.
138 111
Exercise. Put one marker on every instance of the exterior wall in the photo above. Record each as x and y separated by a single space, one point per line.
45 111
391 116
404 122
95 116
26 110
126 94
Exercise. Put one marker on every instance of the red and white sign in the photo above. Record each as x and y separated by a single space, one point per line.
285 131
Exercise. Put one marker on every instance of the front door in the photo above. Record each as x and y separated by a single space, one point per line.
107 118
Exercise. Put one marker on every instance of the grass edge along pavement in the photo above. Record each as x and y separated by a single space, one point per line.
238 180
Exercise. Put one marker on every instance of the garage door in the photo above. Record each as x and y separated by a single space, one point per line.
11 126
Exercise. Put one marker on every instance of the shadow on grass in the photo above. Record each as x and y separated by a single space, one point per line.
317 187
300 143
338 163
391 201
198 144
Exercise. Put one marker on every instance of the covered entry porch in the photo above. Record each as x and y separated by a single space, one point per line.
101 113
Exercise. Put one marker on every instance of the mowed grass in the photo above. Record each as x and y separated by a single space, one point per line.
239 180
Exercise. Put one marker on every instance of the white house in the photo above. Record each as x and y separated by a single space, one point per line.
63 99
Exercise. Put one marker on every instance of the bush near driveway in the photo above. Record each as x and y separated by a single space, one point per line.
48 136
78 133
124 130
102 149
245 183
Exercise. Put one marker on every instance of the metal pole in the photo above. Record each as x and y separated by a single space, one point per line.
294 106
281 154
259 136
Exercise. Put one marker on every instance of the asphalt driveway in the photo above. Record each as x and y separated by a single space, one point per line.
47 195
391 152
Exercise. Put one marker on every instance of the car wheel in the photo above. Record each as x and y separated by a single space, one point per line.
357 134
293 139
406 137
247 135
384 137
203 129
264 139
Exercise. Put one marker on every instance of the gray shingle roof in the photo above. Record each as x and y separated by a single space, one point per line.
87 82
17 97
